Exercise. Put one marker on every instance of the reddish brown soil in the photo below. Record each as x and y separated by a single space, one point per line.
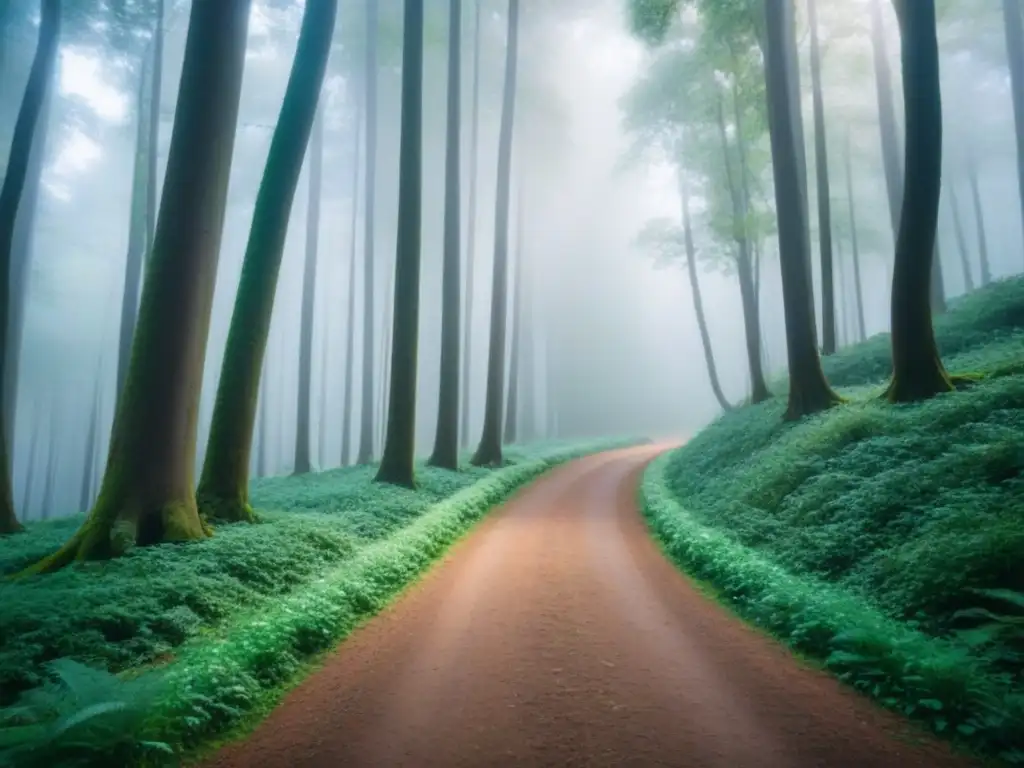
558 635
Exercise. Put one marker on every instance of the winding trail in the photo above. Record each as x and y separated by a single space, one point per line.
558 635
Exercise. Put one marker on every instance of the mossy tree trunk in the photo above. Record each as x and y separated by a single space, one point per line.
979 218
809 392
350 310
488 452
446 438
396 464
224 484
142 214
918 372
366 436
303 438
854 245
698 299
146 496
471 203
1014 31
828 302
511 427
961 239
26 132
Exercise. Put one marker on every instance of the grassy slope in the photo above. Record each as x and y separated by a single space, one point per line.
860 535
231 619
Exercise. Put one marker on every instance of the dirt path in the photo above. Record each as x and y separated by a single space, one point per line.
557 635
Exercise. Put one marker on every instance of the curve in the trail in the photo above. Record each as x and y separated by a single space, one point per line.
558 635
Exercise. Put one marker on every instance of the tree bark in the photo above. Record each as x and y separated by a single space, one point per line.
366 436
854 246
828 319
809 392
488 453
384 375
350 322
26 133
153 142
224 484
698 300
511 434
146 496
303 463
446 438
961 239
1014 30
474 136
399 453
918 372
979 219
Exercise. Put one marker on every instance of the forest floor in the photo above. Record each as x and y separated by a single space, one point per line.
558 635
218 627
887 541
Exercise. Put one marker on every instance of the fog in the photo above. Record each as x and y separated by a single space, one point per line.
616 338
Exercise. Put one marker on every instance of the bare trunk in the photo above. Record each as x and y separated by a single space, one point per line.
303 462
961 239
26 133
979 219
467 332
366 406
146 496
918 372
854 246
350 322
1015 59
446 438
489 450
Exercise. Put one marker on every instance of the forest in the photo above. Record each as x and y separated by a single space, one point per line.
507 382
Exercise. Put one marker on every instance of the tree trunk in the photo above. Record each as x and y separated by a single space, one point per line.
446 438
30 470
809 392
142 215
50 476
828 319
918 372
938 282
511 434
261 454
886 117
843 311
146 496
474 134
744 267
855 249
384 375
961 239
321 434
25 135
698 300
488 453
370 179
528 377
224 483
303 463
91 439
979 219
1015 59
350 322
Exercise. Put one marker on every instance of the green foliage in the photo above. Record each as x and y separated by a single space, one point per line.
229 619
884 539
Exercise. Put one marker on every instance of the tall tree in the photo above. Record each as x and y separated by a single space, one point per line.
303 462
369 210
828 319
918 372
474 139
321 434
224 484
886 116
489 450
396 464
979 218
50 474
350 321
261 454
961 239
30 469
25 133
384 376
809 392
146 496
142 211
854 245
91 447
1014 28
446 438
511 434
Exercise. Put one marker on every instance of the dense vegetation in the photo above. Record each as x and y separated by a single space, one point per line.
913 516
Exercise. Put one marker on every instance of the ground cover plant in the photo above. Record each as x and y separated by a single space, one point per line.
886 539
223 622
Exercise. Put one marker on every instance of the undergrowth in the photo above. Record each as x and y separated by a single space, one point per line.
886 539
218 626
